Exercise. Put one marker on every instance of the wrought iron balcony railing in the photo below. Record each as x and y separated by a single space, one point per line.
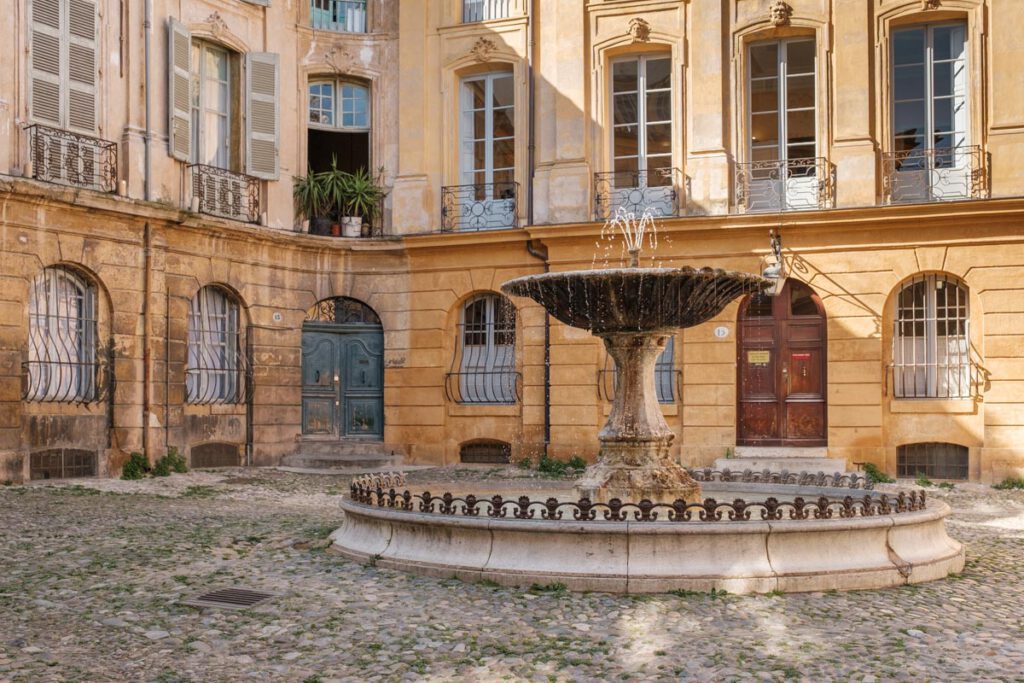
936 175
488 206
784 185
224 193
60 156
485 10
660 191
342 16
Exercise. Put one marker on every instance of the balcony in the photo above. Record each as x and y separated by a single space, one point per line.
224 193
485 10
939 175
66 158
784 185
340 16
636 191
486 206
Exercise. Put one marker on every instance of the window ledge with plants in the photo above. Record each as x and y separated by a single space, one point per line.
337 203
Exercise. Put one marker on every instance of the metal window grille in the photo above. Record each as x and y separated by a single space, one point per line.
931 340
486 451
62 357
343 16
483 368
485 10
62 463
784 185
216 371
938 460
659 191
343 311
224 193
667 377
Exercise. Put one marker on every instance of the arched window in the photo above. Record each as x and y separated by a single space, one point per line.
338 125
931 339
214 370
485 356
62 358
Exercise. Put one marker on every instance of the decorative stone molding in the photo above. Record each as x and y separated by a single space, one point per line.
779 13
639 30
483 49
218 27
930 4
339 57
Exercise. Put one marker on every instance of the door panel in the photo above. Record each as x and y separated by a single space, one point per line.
343 381
363 385
320 375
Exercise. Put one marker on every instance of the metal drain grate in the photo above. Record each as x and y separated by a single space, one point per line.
229 598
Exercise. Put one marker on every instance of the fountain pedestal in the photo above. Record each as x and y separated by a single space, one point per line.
634 461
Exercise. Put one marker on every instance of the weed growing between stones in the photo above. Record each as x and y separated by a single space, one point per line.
137 467
876 475
557 589
199 491
1010 483
923 481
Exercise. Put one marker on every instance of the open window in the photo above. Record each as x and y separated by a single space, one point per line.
339 125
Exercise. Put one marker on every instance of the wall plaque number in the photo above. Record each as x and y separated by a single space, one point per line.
760 357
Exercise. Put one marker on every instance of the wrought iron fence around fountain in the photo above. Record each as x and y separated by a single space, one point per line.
659 191
60 156
934 175
484 206
615 510
785 185
766 476
224 193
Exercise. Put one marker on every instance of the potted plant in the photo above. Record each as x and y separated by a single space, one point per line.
311 201
362 200
335 184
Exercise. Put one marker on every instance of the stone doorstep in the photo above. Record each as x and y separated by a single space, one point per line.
779 452
815 465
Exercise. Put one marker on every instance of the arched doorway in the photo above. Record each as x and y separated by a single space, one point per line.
343 371
781 368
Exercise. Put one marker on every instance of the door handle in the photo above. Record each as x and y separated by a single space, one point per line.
787 378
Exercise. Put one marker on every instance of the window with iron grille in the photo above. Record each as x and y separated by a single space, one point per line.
214 370
484 365
62 357
485 10
931 340
666 376
938 460
486 451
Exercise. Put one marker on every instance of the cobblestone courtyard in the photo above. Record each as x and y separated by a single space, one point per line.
91 577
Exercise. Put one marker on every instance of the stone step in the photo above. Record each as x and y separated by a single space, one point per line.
342 447
779 452
343 455
791 464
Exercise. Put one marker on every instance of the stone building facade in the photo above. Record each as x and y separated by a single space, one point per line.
159 289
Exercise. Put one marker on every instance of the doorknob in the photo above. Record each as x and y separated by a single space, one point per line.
787 378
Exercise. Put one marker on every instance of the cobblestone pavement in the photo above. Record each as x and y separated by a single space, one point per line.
91 576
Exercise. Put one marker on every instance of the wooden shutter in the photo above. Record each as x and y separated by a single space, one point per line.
45 68
261 115
81 63
179 104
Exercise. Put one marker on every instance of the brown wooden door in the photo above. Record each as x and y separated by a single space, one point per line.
781 369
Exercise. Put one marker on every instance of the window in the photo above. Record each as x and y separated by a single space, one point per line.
211 106
931 341
939 460
63 63
641 106
930 113
339 125
782 126
61 337
348 16
486 451
485 10
488 134
213 370
665 375
486 354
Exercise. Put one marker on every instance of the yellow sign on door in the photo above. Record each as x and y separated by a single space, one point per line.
759 357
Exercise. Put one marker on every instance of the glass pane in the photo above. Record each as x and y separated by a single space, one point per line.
764 153
801 152
909 144
800 57
476 94
764 128
802 301
764 60
659 106
624 76
764 95
909 118
760 306
479 130
943 111
659 138
800 126
625 109
504 91
625 141
659 73
479 155
908 82
948 42
504 154
908 46
657 175
800 92
943 79
625 172
504 126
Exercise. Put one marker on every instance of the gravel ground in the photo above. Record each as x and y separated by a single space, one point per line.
92 575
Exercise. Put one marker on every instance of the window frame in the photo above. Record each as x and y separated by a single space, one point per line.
642 173
198 105
485 5
467 134
337 84
782 96
221 342
488 365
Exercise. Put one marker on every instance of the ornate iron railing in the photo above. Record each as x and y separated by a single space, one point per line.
615 510
487 206
485 10
342 16
224 193
60 156
660 191
494 387
934 175
766 476
785 185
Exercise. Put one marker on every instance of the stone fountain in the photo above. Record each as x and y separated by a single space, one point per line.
634 310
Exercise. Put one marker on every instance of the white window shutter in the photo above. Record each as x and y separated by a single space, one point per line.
82 65
179 104
46 67
261 115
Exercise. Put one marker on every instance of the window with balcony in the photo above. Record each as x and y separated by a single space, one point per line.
642 177
931 340
782 171
213 141
62 356
485 10
213 370
339 125
486 195
343 16
931 158
484 367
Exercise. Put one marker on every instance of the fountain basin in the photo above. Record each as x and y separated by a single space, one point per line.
756 556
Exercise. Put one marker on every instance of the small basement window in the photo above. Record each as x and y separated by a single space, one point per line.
486 451
62 463
934 460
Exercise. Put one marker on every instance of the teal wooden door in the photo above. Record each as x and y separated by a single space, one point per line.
343 381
